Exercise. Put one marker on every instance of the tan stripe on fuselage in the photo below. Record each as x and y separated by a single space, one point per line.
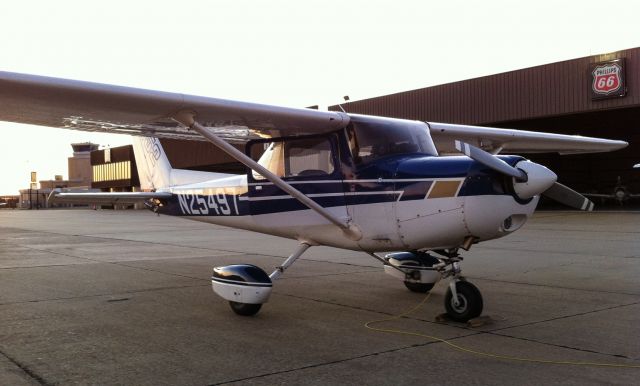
444 189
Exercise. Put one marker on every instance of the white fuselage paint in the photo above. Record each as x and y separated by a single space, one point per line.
431 223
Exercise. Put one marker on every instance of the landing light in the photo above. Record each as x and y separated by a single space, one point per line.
513 222
508 222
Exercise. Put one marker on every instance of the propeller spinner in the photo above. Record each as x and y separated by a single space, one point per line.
529 178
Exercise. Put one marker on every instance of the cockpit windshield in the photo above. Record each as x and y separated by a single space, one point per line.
373 138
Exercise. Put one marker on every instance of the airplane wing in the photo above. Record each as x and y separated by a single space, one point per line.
107 198
79 105
599 195
87 106
495 140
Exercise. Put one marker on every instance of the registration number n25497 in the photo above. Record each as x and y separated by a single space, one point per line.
214 204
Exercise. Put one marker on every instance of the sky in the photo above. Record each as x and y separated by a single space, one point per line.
292 53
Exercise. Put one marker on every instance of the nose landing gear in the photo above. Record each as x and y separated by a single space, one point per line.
420 271
463 300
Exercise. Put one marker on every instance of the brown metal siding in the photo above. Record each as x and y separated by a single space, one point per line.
118 154
548 90
200 156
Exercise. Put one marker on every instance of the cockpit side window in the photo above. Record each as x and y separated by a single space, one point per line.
370 141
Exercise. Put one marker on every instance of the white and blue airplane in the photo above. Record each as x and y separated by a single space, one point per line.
422 189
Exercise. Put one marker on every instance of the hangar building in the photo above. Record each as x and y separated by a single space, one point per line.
595 96
592 96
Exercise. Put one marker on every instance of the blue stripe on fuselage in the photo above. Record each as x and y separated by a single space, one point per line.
404 178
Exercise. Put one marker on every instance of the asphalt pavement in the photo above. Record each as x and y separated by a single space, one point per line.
124 298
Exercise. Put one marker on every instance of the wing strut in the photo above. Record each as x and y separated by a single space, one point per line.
187 119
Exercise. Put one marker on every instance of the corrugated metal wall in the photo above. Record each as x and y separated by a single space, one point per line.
119 154
554 97
200 155
548 90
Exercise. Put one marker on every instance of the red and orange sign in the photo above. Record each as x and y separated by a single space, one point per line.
607 79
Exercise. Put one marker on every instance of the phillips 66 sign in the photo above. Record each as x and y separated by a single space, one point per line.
607 79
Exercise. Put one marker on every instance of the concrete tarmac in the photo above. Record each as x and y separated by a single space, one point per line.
124 298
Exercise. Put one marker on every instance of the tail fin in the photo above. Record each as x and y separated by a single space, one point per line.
154 169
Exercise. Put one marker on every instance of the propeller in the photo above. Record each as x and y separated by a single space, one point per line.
529 178
565 195
491 161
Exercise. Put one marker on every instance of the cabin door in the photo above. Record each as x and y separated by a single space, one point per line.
309 164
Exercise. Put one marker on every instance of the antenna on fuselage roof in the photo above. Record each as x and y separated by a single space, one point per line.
346 99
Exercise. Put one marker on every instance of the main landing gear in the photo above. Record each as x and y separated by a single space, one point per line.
420 271
248 287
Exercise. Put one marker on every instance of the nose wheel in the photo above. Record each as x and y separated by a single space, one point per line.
463 300
465 304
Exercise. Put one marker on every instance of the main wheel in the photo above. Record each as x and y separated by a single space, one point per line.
469 302
245 309
419 287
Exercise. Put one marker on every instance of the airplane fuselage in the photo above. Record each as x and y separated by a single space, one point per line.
399 203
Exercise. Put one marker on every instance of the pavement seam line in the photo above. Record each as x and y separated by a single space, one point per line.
313 260
102 295
25 369
183 246
551 286
323 364
491 332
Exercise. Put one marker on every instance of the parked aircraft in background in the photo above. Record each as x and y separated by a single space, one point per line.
620 192
351 181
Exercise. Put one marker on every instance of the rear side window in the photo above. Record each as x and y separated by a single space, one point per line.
308 157
297 158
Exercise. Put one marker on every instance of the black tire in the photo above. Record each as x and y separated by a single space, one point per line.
470 302
422 288
245 309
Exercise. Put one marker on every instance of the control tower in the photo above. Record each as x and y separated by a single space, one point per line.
80 172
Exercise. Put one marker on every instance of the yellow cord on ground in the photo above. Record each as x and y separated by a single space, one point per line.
480 353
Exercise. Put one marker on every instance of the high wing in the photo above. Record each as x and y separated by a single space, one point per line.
599 195
109 198
87 106
611 196
80 105
495 140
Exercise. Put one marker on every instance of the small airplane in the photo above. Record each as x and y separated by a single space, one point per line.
358 182
619 193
